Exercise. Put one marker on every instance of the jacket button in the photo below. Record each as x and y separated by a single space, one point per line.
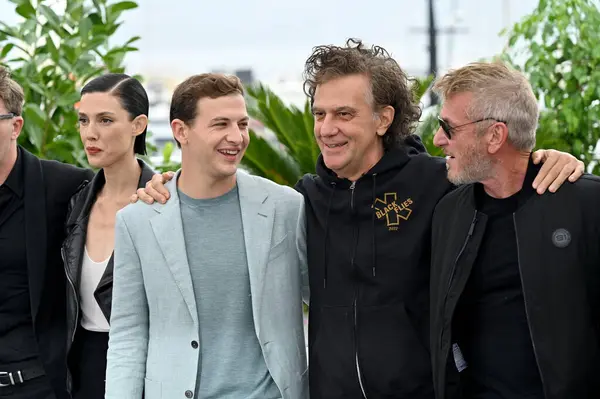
189 394
194 344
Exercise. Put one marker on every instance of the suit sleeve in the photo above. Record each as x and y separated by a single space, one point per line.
301 248
128 342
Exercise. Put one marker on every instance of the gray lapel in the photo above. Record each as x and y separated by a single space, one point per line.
257 224
168 230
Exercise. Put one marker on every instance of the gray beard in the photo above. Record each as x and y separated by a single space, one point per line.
478 169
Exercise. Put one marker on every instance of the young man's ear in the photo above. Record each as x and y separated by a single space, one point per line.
180 131
385 118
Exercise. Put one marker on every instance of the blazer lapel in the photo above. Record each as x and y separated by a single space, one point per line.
35 227
257 223
168 230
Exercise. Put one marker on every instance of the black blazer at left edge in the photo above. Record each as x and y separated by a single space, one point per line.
49 186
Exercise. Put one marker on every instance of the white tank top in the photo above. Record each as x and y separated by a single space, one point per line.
92 318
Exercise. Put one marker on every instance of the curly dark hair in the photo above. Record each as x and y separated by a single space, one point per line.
390 85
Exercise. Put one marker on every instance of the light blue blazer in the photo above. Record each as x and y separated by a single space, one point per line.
154 318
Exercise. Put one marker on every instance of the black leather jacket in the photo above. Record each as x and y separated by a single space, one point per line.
72 249
559 261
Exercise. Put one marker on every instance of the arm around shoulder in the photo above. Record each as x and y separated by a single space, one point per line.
128 342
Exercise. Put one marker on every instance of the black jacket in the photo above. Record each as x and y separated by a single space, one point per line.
368 256
73 247
558 238
48 187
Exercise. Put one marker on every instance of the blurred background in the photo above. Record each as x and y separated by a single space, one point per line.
265 43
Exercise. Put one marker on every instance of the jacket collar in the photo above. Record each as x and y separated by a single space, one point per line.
96 185
34 199
526 192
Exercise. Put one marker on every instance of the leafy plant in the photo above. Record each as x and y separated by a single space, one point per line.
556 46
428 125
293 152
52 54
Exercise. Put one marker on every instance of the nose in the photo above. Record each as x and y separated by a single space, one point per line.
326 127
89 132
234 135
440 139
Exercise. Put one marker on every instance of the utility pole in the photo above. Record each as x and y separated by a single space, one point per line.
433 32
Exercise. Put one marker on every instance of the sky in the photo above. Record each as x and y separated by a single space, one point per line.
273 38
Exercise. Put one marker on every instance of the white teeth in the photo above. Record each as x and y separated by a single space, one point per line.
229 152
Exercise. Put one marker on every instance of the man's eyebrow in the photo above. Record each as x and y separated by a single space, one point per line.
342 108
345 108
447 120
220 119
225 119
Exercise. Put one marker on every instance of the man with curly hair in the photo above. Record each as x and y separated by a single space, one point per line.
369 210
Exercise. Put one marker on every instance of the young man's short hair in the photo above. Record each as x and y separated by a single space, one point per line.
190 91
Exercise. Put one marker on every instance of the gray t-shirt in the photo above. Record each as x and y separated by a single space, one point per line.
232 364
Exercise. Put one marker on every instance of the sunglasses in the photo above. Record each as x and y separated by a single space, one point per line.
448 129
10 115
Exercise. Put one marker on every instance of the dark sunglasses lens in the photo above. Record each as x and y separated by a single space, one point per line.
445 127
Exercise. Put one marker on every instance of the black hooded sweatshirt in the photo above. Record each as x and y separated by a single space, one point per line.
369 259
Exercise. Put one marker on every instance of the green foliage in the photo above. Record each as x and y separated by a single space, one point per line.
557 47
427 128
428 124
294 152
166 164
52 54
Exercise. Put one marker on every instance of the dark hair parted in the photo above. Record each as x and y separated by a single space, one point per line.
390 85
184 102
131 95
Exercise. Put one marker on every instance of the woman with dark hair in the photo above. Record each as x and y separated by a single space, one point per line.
113 119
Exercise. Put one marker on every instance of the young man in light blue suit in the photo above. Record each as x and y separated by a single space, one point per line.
207 299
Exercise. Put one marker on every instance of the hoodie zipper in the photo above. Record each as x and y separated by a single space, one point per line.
535 352
72 285
354 303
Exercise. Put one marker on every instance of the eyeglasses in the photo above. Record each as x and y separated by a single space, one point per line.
10 115
448 129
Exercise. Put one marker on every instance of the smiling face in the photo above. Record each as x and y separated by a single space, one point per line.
217 138
106 129
347 128
467 157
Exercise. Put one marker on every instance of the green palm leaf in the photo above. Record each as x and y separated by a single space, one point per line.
294 151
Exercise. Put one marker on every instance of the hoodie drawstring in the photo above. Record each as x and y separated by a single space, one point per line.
325 258
374 244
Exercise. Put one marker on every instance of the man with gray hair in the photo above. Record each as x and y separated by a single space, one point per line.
515 278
